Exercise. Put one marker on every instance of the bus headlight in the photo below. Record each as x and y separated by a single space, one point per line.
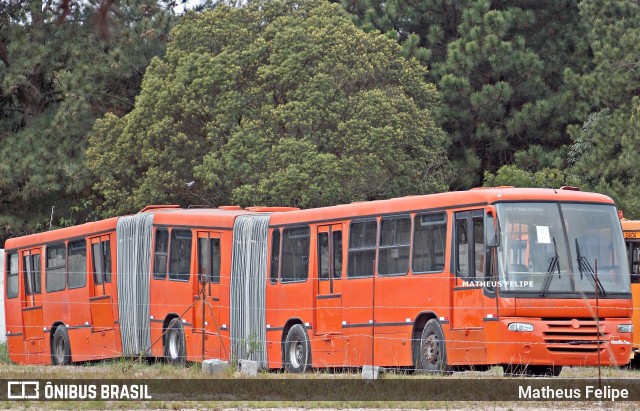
625 328
523 327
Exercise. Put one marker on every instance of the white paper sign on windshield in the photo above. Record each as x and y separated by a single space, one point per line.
543 234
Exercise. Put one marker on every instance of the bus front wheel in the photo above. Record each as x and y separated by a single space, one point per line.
174 345
297 350
61 349
432 353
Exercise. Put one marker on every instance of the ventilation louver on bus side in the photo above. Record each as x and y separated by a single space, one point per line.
134 261
248 282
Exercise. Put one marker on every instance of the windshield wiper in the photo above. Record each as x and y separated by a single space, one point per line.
585 267
554 264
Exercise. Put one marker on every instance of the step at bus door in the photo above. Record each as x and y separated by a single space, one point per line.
467 318
32 321
328 304
206 309
101 301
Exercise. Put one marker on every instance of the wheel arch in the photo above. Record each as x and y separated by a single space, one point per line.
416 334
52 333
288 325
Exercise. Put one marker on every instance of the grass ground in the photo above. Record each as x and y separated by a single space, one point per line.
134 370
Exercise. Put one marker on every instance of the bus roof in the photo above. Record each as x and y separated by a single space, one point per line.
475 197
225 218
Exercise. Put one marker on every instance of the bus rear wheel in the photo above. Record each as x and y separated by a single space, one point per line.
61 349
297 350
174 345
432 352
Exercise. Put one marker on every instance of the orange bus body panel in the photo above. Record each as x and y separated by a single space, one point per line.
350 321
631 231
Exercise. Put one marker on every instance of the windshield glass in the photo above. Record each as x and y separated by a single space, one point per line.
548 248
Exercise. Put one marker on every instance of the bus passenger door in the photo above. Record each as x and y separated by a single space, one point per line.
328 298
206 310
101 297
32 321
467 318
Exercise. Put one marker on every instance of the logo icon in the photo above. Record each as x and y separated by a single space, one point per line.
23 390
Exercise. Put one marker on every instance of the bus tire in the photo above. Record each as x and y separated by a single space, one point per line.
297 350
174 344
432 352
61 348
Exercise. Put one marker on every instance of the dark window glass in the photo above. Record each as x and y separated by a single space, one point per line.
634 253
161 254
36 273
215 260
180 256
478 246
295 254
429 242
26 275
96 253
462 248
275 255
56 269
77 264
337 254
101 262
395 239
323 256
204 263
106 260
12 275
209 260
362 248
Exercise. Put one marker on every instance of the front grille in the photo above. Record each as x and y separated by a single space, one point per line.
577 336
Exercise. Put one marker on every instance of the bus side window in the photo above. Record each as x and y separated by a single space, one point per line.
462 248
275 255
478 246
429 242
180 255
395 240
295 254
12 275
635 262
362 248
161 254
77 264
56 269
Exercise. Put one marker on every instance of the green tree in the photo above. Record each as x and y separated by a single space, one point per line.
60 69
498 65
606 148
274 103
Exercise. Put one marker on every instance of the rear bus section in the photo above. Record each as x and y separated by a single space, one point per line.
61 303
631 231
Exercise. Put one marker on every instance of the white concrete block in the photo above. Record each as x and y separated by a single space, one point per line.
215 367
248 367
370 372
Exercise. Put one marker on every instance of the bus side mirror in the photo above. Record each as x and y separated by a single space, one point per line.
493 234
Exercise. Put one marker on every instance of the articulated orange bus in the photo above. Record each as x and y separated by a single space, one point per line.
530 279
631 230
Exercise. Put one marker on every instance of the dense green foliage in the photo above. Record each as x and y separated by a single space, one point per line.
310 103
275 103
56 78
498 65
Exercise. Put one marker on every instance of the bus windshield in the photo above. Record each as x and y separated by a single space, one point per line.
556 248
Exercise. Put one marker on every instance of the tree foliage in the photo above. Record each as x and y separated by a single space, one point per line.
274 103
498 65
605 150
56 77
